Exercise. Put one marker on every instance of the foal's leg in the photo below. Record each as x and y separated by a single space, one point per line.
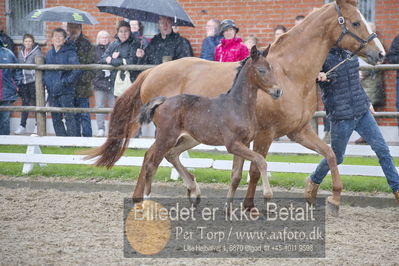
239 149
183 144
262 144
152 159
236 175
308 138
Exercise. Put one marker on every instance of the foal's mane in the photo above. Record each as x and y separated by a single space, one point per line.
239 68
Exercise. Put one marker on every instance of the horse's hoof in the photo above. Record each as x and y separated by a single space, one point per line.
267 196
195 201
397 196
332 207
137 199
310 191
248 204
146 197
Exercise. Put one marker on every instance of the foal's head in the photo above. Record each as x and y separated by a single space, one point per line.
260 72
352 32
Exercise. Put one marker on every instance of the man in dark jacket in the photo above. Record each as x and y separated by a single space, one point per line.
211 41
167 45
393 58
8 89
347 106
83 87
60 84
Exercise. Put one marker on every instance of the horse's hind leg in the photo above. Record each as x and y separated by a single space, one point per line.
152 159
308 138
183 144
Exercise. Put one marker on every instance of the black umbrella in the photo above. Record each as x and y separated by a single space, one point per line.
147 10
61 14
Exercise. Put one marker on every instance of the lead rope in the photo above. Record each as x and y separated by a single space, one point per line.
349 57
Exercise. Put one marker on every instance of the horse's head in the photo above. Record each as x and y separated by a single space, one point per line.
353 33
261 72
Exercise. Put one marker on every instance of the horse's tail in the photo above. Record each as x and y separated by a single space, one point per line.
147 111
123 124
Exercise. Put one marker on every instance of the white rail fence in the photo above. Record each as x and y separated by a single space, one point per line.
34 156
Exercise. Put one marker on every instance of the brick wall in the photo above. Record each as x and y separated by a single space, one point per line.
257 17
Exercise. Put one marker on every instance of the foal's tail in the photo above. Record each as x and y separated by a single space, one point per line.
123 124
147 111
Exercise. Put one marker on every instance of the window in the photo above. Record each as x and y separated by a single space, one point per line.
17 25
150 29
367 7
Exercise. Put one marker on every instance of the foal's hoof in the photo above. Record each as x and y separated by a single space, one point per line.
267 197
137 200
332 207
195 201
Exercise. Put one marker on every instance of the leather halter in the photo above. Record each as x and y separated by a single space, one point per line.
341 21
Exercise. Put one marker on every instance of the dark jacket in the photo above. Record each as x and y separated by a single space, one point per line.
7 42
173 45
29 74
61 82
86 55
208 47
9 78
143 40
127 51
343 97
393 53
102 79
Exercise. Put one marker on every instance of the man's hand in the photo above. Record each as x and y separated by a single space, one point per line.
139 53
372 109
322 77
115 55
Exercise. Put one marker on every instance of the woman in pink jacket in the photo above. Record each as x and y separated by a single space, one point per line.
231 48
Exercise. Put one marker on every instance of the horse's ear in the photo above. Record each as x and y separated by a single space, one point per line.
254 53
266 51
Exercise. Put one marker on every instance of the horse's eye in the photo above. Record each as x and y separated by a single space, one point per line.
356 24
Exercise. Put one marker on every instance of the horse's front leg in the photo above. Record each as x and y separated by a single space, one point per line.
238 148
262 144
236 175
308 138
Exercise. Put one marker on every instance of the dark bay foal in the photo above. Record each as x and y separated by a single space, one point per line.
184 121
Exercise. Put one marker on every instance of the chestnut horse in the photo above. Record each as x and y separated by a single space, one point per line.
186 120
296 58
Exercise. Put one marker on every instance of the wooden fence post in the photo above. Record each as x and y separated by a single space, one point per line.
40 98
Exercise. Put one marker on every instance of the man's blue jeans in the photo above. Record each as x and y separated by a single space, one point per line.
83 121
59 127
5 119
367 127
